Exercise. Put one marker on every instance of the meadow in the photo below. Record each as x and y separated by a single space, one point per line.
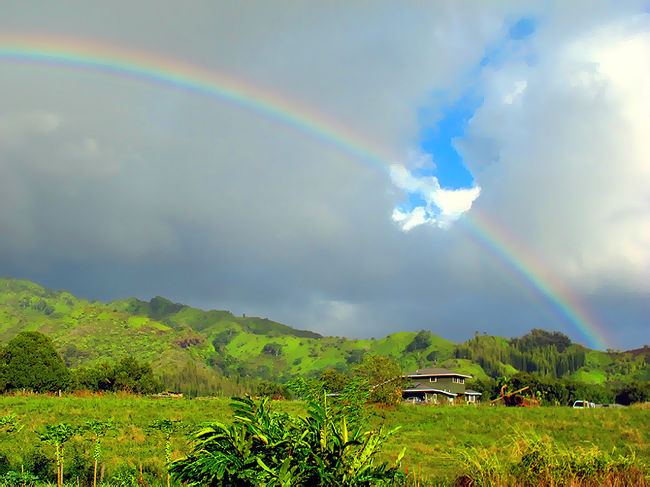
441 442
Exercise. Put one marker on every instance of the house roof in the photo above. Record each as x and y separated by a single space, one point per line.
436 371
470 392
420 387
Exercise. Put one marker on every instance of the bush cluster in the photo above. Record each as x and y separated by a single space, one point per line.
264 448
30 361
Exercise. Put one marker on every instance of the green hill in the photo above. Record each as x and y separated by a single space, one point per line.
192 349
175 337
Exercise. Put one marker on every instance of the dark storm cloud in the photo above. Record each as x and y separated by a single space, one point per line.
111 187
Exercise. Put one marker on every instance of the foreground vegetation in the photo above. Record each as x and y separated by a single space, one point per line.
485 444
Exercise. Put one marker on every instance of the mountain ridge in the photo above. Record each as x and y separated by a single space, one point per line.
219 347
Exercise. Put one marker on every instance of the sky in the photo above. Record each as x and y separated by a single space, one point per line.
352 168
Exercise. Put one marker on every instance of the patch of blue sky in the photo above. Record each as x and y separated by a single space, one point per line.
437 140
512 43
415 200
524 27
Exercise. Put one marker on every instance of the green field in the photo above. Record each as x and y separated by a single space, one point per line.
436 438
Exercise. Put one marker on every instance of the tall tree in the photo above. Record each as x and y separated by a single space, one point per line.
134 376
30 361
383 375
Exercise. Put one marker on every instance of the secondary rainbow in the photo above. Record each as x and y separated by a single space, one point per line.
150 68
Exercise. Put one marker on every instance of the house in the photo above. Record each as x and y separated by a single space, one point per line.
436 385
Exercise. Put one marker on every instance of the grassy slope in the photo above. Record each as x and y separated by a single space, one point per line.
602 367
170 335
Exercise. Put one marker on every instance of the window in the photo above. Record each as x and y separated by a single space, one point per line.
433 379
458 380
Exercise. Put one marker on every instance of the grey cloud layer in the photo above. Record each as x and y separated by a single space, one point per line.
113 187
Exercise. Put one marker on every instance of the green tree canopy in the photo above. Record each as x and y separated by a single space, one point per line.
272 349
421 341
383 375
333 380
30 361
134 376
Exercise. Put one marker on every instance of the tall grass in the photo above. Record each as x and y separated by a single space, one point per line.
494 439
537 460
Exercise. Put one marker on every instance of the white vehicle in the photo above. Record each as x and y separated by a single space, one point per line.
583 404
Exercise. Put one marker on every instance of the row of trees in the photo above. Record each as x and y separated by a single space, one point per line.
30 361
562 391
378 378
542 352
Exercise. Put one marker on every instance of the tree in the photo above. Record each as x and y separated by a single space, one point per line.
272 349
30 361
383 376
355 356
57 435
167 427
100 377
422 341
633 392
333 380
272 390
97 430
133 376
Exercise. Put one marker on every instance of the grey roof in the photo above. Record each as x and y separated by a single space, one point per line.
422 387
473 393
436 371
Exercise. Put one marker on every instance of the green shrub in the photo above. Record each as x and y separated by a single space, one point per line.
264 448
273 390
12 478
30 361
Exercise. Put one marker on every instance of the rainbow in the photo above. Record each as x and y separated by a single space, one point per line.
150 68
174 74
524 266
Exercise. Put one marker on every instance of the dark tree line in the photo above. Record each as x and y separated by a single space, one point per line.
545 353
29 361
561 391
127 375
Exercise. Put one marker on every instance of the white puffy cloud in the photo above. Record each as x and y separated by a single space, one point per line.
409 219
560 149
442 205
